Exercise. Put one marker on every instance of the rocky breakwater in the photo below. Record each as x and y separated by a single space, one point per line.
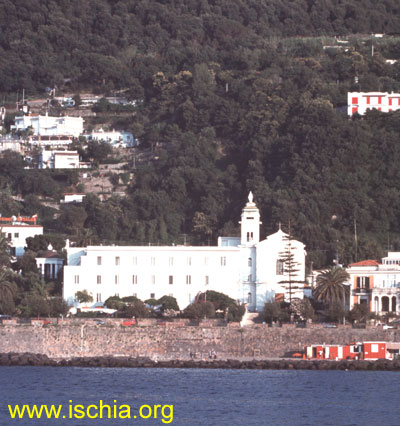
29 359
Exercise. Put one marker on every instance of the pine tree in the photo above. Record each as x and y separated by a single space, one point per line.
290 267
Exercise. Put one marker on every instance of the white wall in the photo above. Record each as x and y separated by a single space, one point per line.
18 234
154 266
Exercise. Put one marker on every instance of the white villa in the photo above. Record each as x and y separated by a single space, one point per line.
45 125
376 284
113 137
59 160
17 232
245 268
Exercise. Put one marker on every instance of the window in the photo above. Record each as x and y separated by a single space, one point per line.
188 279
9 235
249 278
153 261
368 100
363 282
16 234
188 261
98 297
354 110
379 100
99 260
98 279
134 260
279 267
248 297
171 279
76 279
153 279
207 280
134 279
354 100
116 279
374 348
390 101
249 236
152 295
171 261
249 261
117 260
223 260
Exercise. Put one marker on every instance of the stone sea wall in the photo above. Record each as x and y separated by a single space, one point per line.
164 342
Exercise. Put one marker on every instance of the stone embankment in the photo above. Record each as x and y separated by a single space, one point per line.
170 341
29 359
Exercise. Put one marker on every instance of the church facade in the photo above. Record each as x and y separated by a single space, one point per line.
246 269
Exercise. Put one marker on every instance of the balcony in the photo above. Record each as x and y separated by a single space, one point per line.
362 290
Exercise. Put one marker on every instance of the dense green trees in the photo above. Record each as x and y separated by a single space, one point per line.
231 96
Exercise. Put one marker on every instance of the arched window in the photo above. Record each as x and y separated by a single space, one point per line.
385 304
249 261
248 297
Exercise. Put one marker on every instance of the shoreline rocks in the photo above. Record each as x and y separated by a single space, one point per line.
31 359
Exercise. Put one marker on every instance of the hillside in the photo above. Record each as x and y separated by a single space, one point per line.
235 96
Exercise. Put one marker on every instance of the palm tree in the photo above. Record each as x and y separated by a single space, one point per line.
7 292
330 287
4 250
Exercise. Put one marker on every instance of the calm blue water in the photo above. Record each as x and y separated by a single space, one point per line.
209 397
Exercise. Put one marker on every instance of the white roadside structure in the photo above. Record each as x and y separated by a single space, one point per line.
245 268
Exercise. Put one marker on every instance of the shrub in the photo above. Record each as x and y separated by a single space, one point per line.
200 310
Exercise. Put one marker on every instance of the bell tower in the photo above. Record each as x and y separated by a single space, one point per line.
250 223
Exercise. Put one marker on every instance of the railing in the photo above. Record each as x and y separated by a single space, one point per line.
361 290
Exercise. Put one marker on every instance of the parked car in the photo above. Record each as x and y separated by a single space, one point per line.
128 322
326 325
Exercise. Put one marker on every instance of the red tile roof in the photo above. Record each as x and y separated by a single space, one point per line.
369 262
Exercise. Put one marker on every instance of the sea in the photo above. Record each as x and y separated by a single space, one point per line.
200 397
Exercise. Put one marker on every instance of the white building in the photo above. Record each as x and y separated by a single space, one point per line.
113 137
17 233
59 160
72 197
45 125
244 268
360 102
49 263
376 284
12 145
